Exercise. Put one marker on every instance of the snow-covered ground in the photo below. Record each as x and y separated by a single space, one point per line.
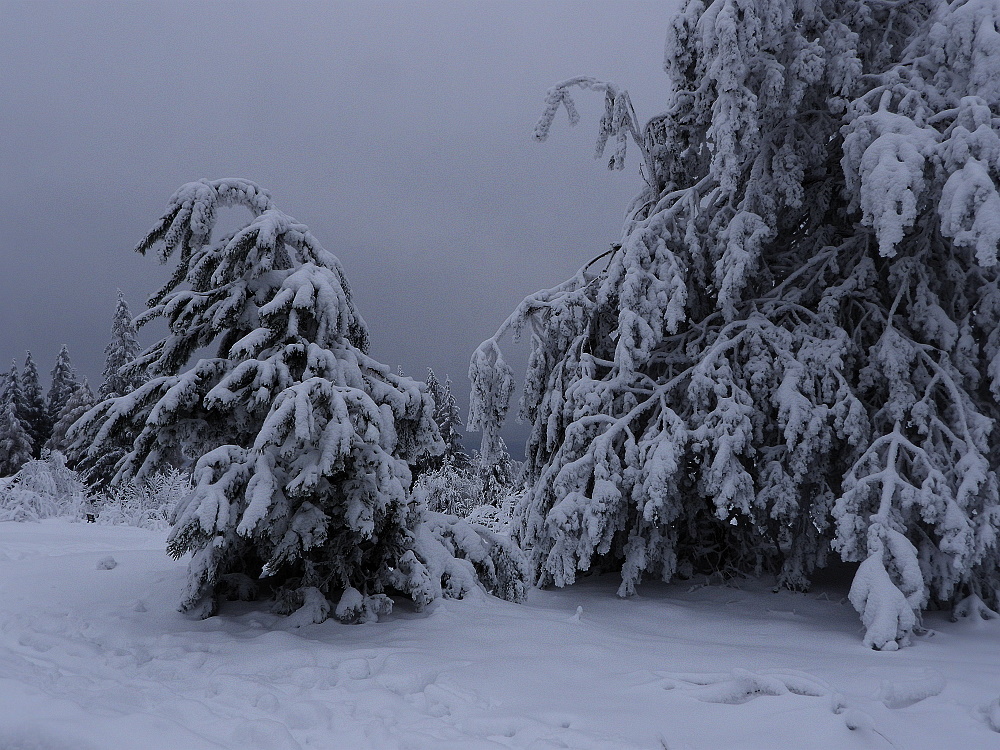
94 656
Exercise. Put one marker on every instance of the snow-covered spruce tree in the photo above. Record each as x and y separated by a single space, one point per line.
301 442
446 482
793 348
120 376
63 385
79 403
32 407
455 482
499 476
15 442
448 420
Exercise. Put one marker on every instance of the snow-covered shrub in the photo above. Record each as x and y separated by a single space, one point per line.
482 495
793 349
973 608
449 489
43 488
146 503
495 519
451 558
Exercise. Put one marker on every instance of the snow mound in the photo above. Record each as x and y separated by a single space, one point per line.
742 685
906 693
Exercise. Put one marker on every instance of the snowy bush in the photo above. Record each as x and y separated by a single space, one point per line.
483 495
449 489
147 503
43 488
493 518
793 349
47 488
451 558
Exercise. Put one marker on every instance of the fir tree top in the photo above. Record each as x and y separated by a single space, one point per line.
64 383
448 419
32 409
121 376
78 404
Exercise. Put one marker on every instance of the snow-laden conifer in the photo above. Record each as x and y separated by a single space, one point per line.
301 444
79 403
123 373
62 387
792 350
448 420
500 476
120 375
15 442
32 411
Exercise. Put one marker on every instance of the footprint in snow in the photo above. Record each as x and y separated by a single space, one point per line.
741 686
356 669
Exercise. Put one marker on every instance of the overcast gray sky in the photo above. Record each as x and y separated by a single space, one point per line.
399 132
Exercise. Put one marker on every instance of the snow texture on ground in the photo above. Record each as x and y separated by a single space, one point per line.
95 656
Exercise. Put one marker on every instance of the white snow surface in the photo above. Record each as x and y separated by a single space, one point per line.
93 659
